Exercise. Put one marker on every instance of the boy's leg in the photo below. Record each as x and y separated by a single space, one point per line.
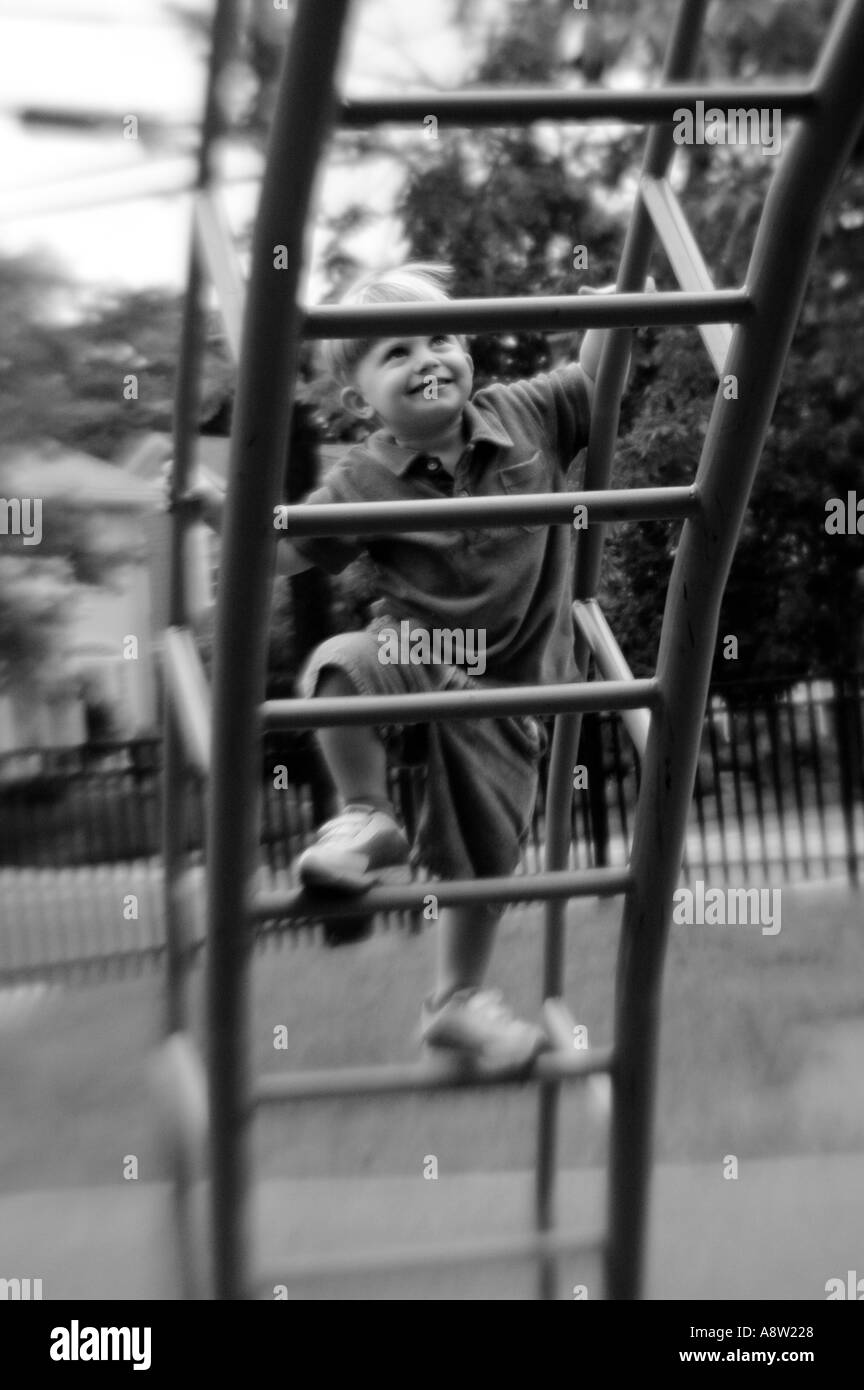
461 1017
481 787
466 936
365 839
354 754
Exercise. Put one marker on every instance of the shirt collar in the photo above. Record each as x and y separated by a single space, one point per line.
399 457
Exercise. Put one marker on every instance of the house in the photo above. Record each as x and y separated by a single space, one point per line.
103 681
146 461
106 678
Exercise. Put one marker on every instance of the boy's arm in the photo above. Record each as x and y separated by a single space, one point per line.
209 500
205 497
289 560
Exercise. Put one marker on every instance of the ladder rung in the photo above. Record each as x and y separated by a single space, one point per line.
299 906
574 698
691 305
611 663
189 694
521 105
382 1260
551 312
223 264
685 258
410 1077
543 313
462 513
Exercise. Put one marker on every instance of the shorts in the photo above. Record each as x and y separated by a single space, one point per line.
481 775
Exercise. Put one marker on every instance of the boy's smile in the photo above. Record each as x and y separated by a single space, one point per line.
417 387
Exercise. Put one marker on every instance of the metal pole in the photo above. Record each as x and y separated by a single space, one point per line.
612 374
785 244
506 106
259 443
185 425
178 940
559 798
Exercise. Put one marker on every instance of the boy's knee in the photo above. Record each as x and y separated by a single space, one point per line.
340 666
334 681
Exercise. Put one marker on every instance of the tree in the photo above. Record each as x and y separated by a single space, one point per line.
34 600
502 208
507 208
89 372
794 599
79 376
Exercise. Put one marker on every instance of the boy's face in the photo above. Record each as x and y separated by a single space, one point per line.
418 387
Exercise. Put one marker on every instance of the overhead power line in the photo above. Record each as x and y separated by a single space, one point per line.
158 178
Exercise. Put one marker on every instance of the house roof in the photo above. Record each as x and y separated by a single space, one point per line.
213 452
149 454
76 480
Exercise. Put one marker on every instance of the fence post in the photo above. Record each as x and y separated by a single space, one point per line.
591 750
846 751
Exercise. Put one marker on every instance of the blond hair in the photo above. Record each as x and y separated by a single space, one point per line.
419 282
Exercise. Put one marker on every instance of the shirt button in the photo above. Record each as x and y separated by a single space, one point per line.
433 465
463 492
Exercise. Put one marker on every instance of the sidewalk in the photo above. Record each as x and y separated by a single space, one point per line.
779 1231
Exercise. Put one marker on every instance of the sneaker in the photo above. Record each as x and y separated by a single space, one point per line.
351 850
475 1024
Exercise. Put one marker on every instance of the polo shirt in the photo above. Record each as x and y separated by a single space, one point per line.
512 582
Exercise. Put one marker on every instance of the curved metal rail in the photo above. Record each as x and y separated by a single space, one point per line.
764 313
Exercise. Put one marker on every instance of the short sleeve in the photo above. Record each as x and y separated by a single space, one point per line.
330 553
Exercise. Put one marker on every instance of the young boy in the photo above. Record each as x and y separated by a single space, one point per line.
495 601
447 598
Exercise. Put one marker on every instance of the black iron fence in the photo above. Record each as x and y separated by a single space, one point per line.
779 789
779 795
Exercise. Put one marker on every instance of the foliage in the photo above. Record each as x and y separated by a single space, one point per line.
503 208
794 599
63 365
34 599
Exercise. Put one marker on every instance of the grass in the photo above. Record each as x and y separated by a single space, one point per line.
747 1042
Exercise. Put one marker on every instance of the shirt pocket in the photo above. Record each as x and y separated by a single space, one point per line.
525 477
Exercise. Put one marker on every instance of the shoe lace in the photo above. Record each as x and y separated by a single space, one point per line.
347 822
490 1002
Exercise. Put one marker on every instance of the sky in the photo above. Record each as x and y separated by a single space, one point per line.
60 191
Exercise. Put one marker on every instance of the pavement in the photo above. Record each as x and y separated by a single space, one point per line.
778 1231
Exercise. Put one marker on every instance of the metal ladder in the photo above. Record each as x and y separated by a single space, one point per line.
747 332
